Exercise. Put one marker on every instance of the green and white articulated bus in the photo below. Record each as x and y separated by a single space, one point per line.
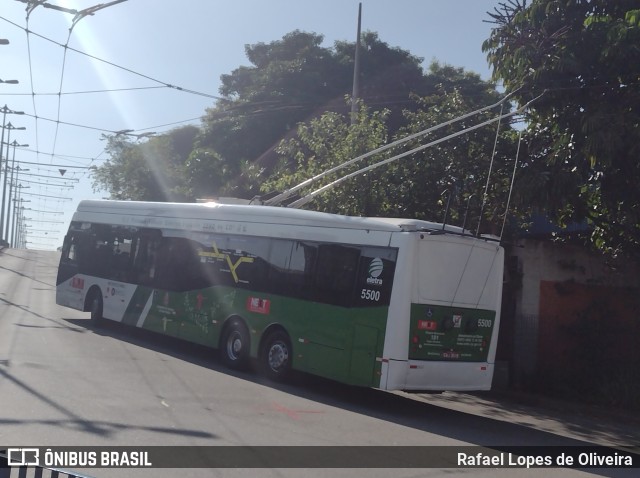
394 304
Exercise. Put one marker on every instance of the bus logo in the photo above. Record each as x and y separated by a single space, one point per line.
258 305
430 325
375 270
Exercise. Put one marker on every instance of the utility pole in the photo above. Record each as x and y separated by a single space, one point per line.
5 110
356 71
17 206
10 127
13 167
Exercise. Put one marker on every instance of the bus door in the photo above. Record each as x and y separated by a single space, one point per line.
363 355
331 330
74 251
143 267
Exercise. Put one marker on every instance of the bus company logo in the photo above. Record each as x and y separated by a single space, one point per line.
430 325
258 305
375 271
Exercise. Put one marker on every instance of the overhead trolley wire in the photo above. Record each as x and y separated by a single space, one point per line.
64 62
128 70
286 194
112 90
33 98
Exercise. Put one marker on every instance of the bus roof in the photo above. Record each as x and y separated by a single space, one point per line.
231 212
258 214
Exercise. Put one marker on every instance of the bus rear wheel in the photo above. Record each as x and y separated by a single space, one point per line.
276 356
235 346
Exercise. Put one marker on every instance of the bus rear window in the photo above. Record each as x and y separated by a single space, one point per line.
449 272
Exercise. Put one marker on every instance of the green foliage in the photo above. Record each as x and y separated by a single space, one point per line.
417 186
289 80
294 80
208 174
284 119
455 172
150 171
328 141
583 137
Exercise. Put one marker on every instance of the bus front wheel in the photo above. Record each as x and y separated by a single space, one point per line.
235 346
96 308
276 356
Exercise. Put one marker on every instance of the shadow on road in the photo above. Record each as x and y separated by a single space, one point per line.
502 423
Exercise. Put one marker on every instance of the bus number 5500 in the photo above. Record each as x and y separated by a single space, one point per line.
368 294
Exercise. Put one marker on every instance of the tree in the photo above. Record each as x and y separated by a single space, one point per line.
287 82
583 137
389 76
421 185
329 141
150 171
454 173
296 81
293 80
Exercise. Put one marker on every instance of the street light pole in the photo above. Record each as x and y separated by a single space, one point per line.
10 127
13 167
5 110
17 205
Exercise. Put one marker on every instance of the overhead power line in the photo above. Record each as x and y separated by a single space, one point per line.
54 165
128 70
112 90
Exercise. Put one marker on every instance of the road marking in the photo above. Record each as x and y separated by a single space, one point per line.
292 413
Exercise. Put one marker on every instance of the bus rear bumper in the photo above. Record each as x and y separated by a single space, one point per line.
417 375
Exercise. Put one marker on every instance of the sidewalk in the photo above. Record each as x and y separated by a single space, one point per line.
593 424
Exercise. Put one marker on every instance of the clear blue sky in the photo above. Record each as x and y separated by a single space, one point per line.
186 43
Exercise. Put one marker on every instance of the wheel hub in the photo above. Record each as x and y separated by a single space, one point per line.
278 356
234 346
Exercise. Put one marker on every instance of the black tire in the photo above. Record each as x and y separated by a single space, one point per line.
235 346
276 356
95 307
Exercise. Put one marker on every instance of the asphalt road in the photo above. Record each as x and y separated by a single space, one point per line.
64 382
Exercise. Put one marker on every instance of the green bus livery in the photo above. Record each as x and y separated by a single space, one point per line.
375 302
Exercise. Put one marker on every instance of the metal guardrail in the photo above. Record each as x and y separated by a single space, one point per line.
31 471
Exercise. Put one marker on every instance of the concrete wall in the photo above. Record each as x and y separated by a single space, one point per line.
550 286
544 260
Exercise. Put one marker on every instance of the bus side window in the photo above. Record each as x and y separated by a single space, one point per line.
250 259
177 265
70 248
336 273
299 279
144 249
120 266
279 260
